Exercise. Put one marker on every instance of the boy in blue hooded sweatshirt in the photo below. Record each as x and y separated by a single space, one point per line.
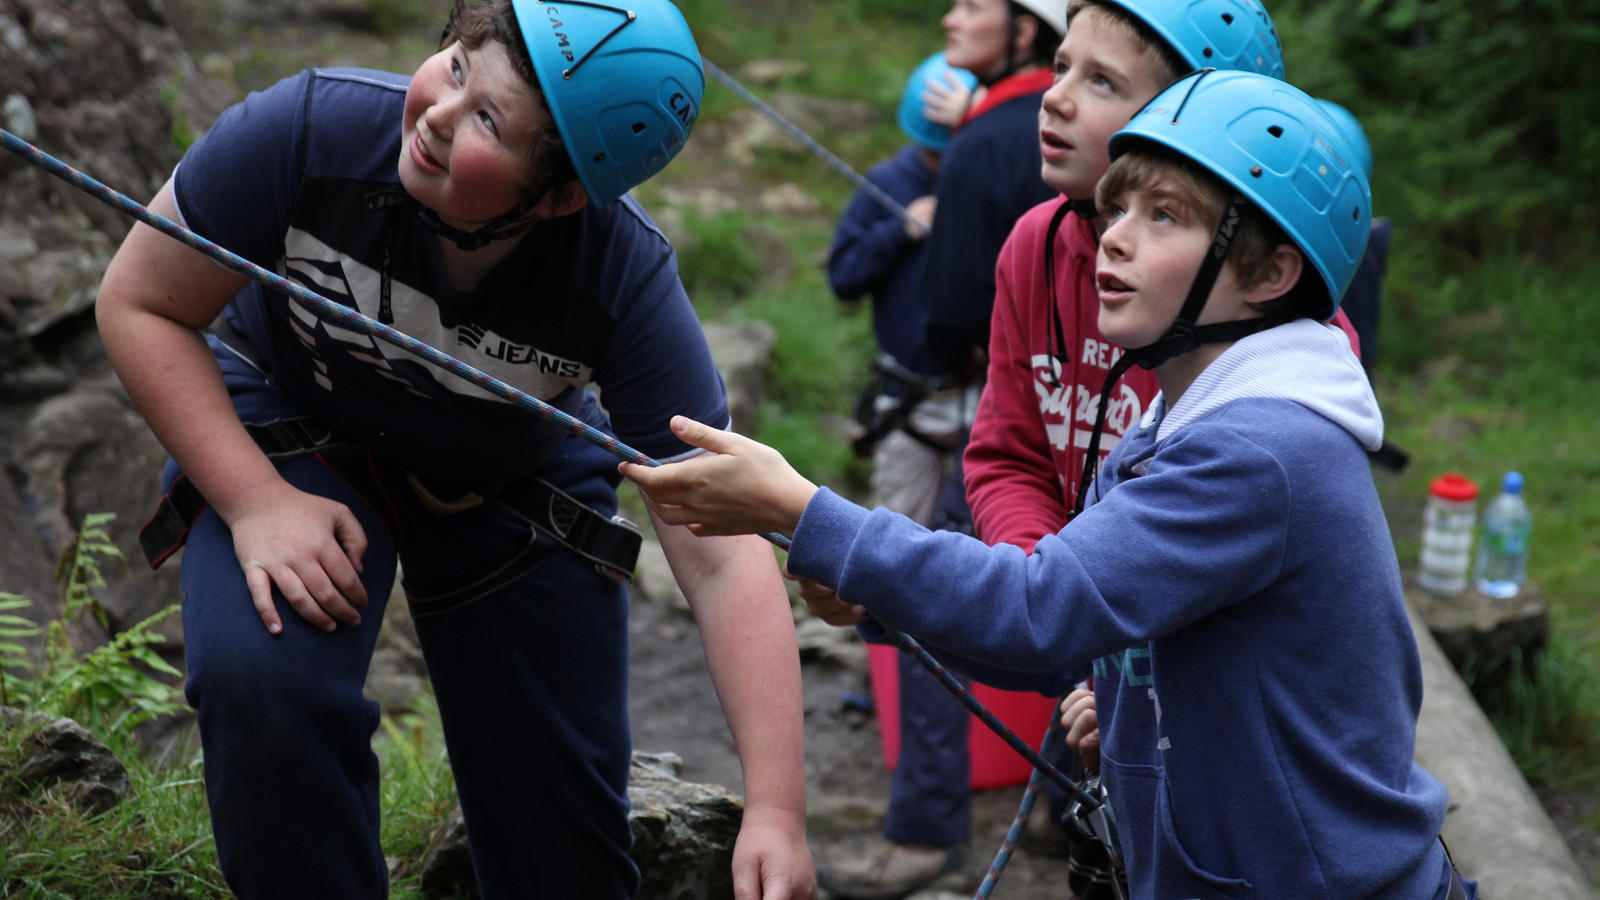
1207 586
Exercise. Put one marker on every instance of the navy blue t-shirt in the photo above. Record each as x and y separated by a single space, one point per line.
284 179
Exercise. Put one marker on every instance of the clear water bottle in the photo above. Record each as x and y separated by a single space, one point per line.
1503 552
1448 521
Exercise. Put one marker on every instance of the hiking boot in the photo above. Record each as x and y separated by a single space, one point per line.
893 872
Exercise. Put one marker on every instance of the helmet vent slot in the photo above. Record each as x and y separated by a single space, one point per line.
1206 52
638 127
1275 130
1227 18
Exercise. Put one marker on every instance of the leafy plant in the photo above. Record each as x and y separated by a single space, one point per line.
12 654
78 570
110 689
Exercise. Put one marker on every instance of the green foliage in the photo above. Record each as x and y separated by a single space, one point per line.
418 789
159 846
157 842
13 656
1543 709
113 688
110 688
392 17
1482 371
716 262
1484 117
182 130
78 570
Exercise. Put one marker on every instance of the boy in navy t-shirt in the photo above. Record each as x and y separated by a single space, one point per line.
479 206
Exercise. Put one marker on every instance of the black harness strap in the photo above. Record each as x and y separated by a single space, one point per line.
168 528
557 519
913 389
612 544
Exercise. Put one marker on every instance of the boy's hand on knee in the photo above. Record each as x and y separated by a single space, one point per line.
310 548
1083 728
740 487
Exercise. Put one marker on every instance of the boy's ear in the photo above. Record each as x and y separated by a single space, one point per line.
1277 275
563 200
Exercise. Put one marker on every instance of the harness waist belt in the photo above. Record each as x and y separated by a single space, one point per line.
611 544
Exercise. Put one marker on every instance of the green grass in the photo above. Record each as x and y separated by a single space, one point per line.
156 845
1486 370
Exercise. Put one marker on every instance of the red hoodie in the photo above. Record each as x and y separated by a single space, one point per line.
1025 458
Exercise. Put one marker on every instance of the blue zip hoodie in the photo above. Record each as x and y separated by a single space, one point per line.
1235 591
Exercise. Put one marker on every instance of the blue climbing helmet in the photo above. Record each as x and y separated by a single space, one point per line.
1219 34
911 114
623 83
1354 134
1273 144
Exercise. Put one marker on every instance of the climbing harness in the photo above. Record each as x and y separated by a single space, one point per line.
556 519
933 411
349 318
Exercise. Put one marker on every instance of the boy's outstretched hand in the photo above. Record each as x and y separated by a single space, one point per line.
740 487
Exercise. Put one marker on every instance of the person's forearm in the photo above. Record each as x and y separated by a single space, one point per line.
747 631
175 384
155 296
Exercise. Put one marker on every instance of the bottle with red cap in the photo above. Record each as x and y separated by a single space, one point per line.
1448 522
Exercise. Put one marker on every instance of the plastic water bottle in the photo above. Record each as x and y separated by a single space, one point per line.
1503 553
1448 521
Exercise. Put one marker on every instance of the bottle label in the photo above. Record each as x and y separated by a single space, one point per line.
1511 542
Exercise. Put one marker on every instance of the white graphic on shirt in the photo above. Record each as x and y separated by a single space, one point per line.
351 283
1069 410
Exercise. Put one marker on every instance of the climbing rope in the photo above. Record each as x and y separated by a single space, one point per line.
345 316
823 153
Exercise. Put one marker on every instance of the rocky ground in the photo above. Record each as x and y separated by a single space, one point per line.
674 708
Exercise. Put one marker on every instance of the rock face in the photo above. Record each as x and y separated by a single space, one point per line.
106 87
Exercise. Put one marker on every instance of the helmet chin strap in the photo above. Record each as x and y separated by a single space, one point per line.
1183 335
496 230
390 201
1084 208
